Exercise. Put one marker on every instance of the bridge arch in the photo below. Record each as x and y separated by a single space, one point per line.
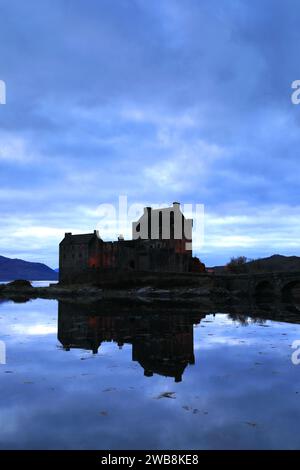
290 292
264 291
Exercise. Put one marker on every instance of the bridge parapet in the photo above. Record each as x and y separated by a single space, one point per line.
276 284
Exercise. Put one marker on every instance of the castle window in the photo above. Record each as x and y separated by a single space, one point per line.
172 225
132 264
138 227
160 225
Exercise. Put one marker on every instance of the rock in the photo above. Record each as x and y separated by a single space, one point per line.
144 290
166 395
19 283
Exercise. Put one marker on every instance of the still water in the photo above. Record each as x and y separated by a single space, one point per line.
99 376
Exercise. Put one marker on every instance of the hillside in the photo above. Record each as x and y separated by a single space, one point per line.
11 269
275 263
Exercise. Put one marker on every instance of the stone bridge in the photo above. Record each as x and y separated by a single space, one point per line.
280 286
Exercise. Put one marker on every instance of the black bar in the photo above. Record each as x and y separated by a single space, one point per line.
134 459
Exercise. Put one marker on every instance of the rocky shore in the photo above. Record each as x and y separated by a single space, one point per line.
207 298
23 289
185 288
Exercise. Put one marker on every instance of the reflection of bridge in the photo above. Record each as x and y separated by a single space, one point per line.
162 342
280 286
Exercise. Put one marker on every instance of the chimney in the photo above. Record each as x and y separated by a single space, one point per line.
96 232
176 205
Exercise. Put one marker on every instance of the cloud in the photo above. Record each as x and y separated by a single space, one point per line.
14 148
160 102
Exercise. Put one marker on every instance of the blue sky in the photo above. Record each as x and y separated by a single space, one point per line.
160 101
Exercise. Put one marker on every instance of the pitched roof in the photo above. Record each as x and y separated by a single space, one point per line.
81 238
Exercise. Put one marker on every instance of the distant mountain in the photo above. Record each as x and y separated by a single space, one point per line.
11 269
273 263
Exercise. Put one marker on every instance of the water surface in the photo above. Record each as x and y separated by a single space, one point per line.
120 377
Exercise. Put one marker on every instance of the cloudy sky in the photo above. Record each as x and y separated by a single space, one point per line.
159 101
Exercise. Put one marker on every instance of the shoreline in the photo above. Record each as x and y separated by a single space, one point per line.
104 293
273 288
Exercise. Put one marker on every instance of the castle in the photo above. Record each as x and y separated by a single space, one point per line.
161 242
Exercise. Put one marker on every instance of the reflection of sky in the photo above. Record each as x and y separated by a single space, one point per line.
243 391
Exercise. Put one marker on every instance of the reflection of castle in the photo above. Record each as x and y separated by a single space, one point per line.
162 343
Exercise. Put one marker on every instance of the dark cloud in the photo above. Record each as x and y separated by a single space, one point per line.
155 100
